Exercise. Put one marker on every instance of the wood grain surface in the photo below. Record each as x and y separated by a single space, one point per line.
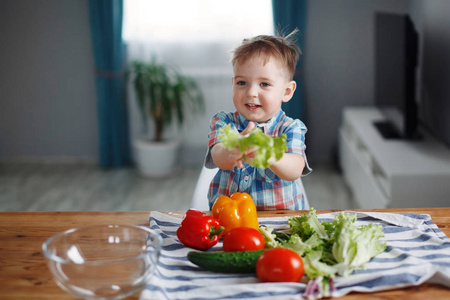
24 274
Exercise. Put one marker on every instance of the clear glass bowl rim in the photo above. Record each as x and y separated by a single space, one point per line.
59 259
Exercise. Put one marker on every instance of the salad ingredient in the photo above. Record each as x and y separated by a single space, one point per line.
280 265
328 249
307 225
226 262
199 230
243 239
268 147
239 210
354 246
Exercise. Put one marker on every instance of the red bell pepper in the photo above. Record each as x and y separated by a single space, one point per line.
199 230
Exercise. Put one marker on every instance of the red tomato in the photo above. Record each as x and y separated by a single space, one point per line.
280 265
243 239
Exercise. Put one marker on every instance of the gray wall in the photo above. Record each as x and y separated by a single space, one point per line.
47 92
338 60
48 106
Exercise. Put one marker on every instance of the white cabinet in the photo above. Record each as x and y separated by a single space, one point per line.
391 172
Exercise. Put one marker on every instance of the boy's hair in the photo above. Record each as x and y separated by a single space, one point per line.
283 48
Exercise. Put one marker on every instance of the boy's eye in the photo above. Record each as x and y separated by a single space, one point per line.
241 82
264 84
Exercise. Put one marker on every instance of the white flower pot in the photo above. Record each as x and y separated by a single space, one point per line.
156 159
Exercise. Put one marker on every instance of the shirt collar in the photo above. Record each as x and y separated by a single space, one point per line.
269 126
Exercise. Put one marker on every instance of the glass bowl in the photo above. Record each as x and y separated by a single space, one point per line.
103 261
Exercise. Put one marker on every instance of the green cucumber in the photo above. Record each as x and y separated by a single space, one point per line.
226 262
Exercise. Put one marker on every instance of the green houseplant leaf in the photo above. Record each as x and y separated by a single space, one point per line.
164 94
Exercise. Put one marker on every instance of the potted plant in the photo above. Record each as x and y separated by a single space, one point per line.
164 95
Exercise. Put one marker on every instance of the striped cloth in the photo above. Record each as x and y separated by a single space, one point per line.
417 252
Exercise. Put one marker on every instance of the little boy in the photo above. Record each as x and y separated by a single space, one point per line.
263 68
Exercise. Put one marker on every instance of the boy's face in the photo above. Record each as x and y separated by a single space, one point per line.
259 89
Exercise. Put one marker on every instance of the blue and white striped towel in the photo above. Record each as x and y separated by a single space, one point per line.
417 252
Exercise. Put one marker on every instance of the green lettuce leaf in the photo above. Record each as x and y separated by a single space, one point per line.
314 243
269 236
267 146
314 267
354 246
306 225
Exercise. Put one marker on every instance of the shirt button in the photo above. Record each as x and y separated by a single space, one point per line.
246 178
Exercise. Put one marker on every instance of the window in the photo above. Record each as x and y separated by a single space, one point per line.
196 20
195 36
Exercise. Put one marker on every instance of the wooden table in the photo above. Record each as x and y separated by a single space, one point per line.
24 274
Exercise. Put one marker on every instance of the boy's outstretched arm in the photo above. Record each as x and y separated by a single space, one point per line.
289 167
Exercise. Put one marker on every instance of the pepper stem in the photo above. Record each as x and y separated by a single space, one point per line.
213 231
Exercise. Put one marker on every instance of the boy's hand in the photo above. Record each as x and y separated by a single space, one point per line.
249 152
226 158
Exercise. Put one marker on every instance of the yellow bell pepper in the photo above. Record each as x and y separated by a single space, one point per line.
235 211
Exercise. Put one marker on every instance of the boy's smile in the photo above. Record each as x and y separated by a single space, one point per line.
260 87
252 107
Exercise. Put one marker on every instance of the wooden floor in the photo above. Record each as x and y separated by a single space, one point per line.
85 187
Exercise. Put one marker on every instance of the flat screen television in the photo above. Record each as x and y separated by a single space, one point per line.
396 52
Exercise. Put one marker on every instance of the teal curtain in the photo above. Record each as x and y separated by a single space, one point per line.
288 15
106 33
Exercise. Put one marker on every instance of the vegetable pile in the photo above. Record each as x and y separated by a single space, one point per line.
328 249
320 250
268 147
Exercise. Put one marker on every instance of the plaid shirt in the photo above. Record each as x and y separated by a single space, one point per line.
267 190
